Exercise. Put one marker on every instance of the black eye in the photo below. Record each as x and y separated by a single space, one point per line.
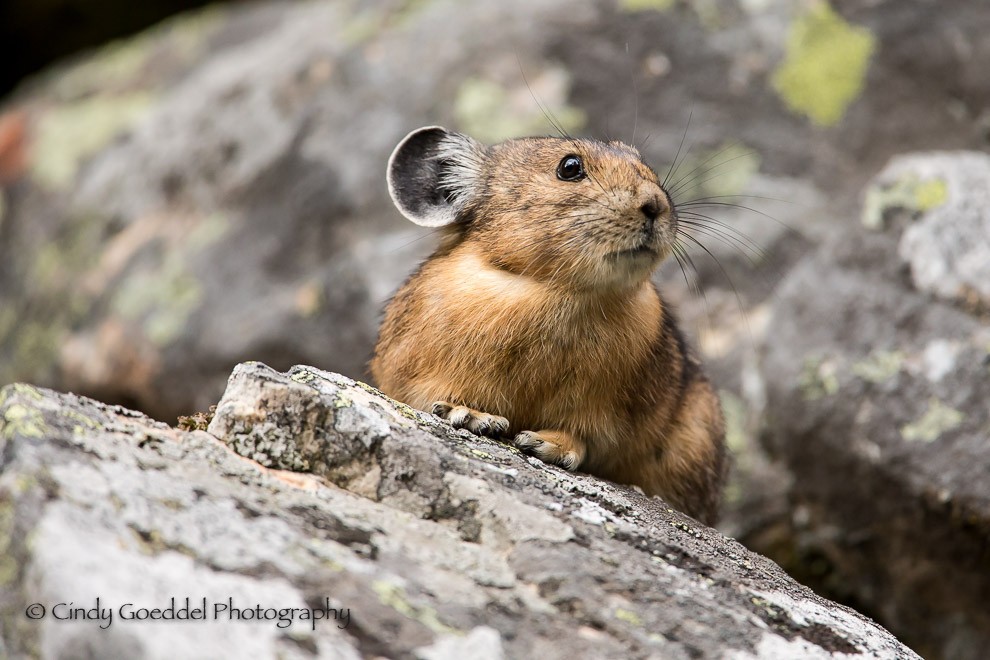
570 168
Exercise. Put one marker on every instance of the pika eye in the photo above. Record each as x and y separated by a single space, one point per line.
570 168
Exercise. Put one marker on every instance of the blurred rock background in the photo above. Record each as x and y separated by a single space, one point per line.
211 191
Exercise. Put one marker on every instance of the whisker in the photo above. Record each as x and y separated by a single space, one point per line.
673 163
679 189
725 274
715 155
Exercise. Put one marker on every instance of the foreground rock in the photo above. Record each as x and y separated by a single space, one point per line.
881 412
436 543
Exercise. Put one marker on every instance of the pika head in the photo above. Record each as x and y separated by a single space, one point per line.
577 213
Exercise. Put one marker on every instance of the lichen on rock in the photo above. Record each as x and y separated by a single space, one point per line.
436 542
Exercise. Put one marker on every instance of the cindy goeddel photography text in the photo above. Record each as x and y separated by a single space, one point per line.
190 609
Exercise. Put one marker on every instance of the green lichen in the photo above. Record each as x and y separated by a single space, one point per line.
937 420
879 366
304 377
825 65
492 113
393 596
818 379
162 300
910 192
406 410
483 455
21 390
342 401
931 194
646 5
66 135
628 616
23 421
83 423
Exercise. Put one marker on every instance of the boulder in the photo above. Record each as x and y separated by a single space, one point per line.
878 371
159 194
310 494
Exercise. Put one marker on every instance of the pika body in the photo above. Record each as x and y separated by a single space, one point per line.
536 319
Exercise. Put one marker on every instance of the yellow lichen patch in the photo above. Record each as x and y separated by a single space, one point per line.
938 419
393 596
879 366
491 113
628 616
930 194
66 135
23 421
19 389
646 5
82 422
909 192
825 65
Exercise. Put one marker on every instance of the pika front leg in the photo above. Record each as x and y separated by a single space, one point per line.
462 417
557 447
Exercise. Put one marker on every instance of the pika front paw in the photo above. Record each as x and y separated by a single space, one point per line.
557 447
462 417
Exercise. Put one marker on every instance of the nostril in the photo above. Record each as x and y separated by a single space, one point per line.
651 209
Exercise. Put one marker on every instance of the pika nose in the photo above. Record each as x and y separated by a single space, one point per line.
651 210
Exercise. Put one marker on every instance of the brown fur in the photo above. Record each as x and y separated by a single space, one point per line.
527 312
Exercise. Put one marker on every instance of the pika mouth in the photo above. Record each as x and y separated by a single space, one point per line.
640 251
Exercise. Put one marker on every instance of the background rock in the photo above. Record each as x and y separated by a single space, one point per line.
881 413
170 186
440 544
212 190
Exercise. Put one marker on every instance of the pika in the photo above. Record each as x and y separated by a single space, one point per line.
536 319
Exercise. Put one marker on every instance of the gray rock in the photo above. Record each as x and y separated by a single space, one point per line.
424 541
878 407
167 188
947 246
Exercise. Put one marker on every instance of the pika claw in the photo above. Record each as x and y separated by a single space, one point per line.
440 408
533 443
462 417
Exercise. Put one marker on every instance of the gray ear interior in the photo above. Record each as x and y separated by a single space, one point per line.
416 179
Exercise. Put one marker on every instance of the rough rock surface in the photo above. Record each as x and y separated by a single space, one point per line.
439 544
948 246
881 413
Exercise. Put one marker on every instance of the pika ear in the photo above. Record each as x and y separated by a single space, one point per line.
433 174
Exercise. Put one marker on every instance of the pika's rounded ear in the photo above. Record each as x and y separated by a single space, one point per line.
433 174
